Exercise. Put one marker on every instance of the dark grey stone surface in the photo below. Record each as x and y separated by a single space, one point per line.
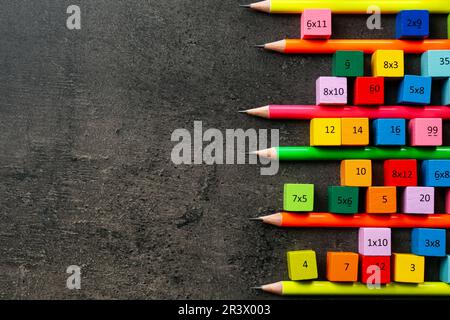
86 178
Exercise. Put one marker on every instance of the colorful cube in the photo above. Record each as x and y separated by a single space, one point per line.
415 90
412 24
428 242
389 132
298 197
400 173
302 265
444 273
315 24
425 132
369 91
388 63
436 63
342 266
381 200
331 91
408 268
374 241
325 132
356 173
418 200
343 199
348 64
436 173
446 93
375 269
355 131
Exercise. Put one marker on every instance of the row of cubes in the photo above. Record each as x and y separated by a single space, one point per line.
386 132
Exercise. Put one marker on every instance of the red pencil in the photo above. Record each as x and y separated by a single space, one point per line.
297 112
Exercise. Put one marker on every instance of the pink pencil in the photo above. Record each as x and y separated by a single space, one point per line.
312 111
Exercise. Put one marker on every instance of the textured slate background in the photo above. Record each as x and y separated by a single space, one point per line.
86 178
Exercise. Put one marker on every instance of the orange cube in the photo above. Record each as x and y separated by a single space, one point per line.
381 200
342 266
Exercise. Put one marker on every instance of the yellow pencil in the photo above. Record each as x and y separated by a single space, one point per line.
351 6
318 288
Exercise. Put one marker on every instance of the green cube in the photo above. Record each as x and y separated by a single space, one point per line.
298 197
343 199
348 64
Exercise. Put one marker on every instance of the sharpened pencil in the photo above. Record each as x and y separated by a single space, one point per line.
303 153
298 112
330 220
369 46
350 6
318 288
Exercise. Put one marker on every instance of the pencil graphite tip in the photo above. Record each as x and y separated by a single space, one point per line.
256 288
260 46
242 111
244 5
256 219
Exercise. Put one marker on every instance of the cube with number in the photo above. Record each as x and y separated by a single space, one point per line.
400 172
436 63
348 63
343 199
418 200
413 24
315 24
381 200
374 241
436 173
356 173
325 132
375 269
302 265
355 131
408 268
388 63
415 90
298 197
331 91
428 242
444 273
425 132
389 132
369 91
342 266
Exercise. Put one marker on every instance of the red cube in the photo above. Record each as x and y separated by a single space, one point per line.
372 264
369 91
400 173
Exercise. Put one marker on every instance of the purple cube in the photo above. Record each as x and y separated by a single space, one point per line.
418 200
331 91
374 241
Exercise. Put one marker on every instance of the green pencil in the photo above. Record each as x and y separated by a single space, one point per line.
374 153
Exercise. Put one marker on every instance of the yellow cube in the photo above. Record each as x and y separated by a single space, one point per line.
408 268
302 265
355 131
356 173
388 63
325 132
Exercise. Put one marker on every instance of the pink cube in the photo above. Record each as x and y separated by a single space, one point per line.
331 91
374 241
315 24
425 132
418 200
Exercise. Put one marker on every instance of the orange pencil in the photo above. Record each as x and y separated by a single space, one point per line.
329 220
366 45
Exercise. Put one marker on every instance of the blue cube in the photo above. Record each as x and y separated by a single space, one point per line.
415 90
444 273
428 242
413 24
446 92
389 132
436 173
435 63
